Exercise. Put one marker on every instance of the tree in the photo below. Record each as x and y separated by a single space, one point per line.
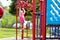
13 7
0 4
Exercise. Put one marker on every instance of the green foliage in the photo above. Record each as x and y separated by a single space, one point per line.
8 20
37 8
13 7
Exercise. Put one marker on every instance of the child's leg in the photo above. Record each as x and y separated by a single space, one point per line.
20 31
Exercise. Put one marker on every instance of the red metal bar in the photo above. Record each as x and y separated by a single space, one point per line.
16 22
27 29
27 26
34 18
43 11
22 31
27 32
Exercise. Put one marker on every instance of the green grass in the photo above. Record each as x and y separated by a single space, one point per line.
11 32
5 32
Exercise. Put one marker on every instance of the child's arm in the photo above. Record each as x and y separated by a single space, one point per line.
19 11
23 10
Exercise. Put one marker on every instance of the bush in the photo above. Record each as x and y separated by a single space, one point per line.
8 20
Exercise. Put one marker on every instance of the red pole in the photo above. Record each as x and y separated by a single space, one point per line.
34 18
43 11
22 31
27 30
16 21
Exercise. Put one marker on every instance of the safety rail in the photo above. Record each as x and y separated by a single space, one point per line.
54 32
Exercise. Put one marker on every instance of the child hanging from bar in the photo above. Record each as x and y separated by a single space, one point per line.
22 20
22 12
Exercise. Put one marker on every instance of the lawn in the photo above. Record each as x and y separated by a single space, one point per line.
11 32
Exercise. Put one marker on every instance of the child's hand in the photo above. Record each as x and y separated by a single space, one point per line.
22 8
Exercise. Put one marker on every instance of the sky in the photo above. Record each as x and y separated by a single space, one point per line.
5 2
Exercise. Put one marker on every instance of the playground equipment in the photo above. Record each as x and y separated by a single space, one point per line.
22 4
39 20
1 12
51 19
52 6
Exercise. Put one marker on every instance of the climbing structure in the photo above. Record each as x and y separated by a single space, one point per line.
23 4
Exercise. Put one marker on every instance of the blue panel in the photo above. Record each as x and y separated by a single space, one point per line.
53 12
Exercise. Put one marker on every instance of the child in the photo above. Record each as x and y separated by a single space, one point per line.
22 20
22 12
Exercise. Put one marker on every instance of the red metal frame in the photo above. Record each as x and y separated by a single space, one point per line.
34 18
27 29
22 31
16 22
43 11
18 6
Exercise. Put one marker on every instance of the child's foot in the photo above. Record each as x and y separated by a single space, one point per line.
21 31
